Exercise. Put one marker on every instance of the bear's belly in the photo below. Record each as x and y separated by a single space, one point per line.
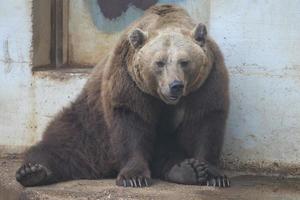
171 119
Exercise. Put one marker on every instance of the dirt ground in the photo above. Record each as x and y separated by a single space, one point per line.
244 187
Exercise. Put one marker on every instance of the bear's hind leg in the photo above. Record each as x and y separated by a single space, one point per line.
193 172
33 174
43 164
175 167
202 140
36 168
189 171
46 164
171 164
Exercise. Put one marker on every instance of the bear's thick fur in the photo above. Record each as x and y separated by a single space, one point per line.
127 124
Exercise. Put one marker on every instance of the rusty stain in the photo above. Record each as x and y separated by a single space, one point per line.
63 74
7 59
70 48
32 120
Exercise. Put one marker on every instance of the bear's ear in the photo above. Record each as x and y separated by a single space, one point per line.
200 33
137 38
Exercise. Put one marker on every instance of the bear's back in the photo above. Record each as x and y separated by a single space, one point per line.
162 16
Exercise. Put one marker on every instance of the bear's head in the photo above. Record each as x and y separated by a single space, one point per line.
169 63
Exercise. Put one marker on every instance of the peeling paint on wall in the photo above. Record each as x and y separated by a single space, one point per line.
93 32
112 9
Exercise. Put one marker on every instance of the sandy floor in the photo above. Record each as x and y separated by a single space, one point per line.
243 188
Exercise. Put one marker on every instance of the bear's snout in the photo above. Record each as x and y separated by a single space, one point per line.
176 88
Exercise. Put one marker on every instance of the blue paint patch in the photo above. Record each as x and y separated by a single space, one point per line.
115 25
118 24
171 1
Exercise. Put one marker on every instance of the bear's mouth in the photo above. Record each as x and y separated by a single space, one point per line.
173 98
169 99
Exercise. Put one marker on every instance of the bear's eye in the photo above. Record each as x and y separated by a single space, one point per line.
160 64
184 63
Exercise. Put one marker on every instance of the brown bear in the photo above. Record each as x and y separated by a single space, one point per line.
156 107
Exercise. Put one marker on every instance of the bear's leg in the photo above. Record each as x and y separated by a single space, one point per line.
202 140
132 140
37 168
67 151
46 164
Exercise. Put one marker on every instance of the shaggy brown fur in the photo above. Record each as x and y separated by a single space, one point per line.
114 129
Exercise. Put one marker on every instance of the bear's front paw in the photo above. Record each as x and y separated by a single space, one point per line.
132 178
32 174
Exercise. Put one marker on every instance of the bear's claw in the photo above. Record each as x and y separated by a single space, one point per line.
135 182
221 181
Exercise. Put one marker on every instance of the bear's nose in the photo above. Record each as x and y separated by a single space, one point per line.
176 87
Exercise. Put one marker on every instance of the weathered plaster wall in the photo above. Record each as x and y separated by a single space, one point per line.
15 77
260 41
27 101
261 44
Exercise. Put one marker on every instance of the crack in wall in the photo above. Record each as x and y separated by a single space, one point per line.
7 59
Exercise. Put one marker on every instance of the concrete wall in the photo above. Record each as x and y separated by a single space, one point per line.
260 41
